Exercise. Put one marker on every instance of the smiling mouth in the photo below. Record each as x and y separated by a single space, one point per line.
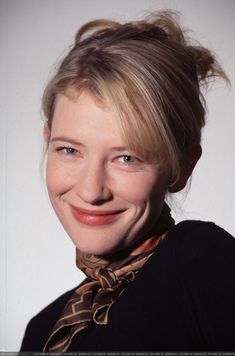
95 217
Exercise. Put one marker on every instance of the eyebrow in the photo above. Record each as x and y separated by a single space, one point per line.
66 139
75 142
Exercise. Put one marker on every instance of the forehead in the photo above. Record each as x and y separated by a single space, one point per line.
82 115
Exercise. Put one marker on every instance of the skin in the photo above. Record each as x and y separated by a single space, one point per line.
89 167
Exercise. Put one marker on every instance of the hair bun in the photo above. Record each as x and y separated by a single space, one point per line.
206 65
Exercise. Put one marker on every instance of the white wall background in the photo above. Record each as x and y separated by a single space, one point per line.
37 258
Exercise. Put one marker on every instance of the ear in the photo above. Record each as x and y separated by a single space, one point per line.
187 169
46 133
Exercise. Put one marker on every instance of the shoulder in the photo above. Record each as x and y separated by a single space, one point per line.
200 231
194 243
192 271
197 260
40 326
201 250
193 247
204 260
205 241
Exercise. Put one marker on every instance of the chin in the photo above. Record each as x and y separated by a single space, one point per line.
95 245
97 250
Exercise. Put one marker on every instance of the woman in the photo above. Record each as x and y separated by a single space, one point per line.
124 116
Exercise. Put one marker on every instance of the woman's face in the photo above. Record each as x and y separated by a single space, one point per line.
105 197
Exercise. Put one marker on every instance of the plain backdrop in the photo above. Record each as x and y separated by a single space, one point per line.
37 261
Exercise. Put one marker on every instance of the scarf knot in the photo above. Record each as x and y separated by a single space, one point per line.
108 281
106 278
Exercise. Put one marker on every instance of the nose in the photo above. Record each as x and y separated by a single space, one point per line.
92 185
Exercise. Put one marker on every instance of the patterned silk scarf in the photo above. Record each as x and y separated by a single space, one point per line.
107 280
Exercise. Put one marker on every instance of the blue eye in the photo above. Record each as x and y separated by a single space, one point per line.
70 151
128 159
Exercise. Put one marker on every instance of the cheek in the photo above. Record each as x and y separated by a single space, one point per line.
57 178
140 188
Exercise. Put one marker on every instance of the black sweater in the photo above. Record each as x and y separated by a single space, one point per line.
183 299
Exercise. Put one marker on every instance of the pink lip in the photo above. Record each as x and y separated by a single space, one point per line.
95 217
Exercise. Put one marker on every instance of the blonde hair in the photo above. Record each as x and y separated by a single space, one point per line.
150 73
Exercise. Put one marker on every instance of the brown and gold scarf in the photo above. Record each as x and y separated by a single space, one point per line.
107 280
